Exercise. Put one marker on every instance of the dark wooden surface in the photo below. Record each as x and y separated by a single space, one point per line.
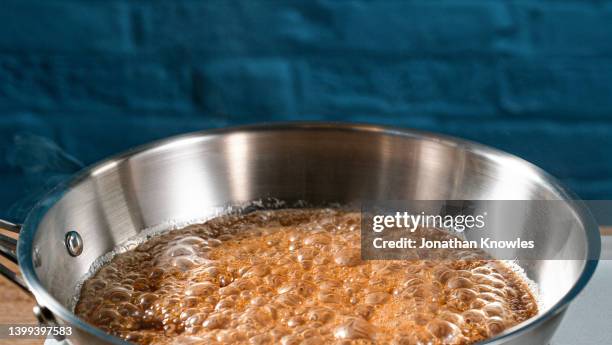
16 307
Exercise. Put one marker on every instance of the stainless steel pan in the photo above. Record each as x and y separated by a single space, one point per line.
190 176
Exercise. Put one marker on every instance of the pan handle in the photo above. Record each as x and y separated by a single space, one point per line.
8 249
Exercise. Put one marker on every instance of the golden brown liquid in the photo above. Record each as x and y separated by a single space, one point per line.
295 277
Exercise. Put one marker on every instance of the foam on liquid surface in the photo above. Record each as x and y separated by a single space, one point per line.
295 277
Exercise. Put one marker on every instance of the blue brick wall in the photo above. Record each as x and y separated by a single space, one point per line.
97 77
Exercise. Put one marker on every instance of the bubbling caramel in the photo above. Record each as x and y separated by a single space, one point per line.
295 277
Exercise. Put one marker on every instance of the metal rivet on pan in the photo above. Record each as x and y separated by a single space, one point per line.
74 243
36 257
